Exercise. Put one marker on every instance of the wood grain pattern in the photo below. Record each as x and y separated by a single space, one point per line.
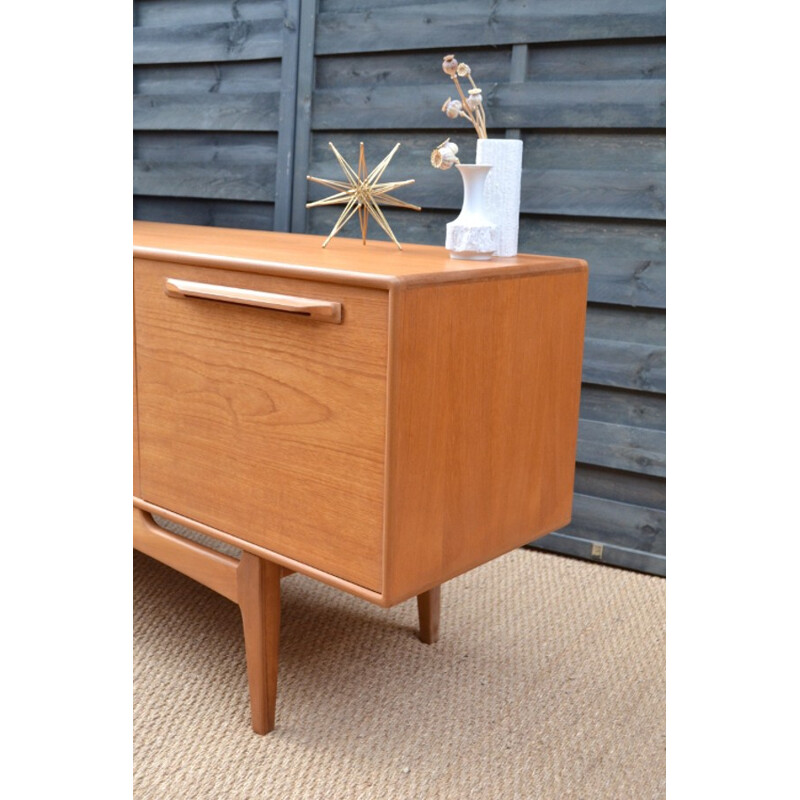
431 429
628 525
569 173
202 564
482 422
284 561
630 447
429 607
217 112
641 490
229 79
259 589
234 40
571 545
628 258
264 424
136 483
346 26
549 104
204 211
345 261
179 13
205 180
222 165
273 429
318 310
588 98
251 582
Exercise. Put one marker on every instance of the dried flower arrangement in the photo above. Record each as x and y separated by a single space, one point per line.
470 106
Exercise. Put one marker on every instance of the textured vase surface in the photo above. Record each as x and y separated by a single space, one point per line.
472 234
502 190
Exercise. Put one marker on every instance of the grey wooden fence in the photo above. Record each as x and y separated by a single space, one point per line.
235 103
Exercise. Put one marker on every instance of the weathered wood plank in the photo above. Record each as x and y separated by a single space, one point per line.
304 92
623 447
576 150
634 151
375 71
623 324
344 27
219 165
220 213
595 174
207 180
238 40
547 104
287 118
600 184
516 74
160 13
626 348
627 261
584 61
629 558
242 77
206 112
637 409
624 487
621 524
633 195
247 149
611 60
630 365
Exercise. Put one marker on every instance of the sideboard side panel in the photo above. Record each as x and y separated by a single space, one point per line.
484 396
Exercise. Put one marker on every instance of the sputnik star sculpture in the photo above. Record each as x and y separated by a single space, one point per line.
362 193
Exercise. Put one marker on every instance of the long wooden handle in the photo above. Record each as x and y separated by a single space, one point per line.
322 310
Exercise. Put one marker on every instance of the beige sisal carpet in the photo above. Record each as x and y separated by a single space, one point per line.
548 682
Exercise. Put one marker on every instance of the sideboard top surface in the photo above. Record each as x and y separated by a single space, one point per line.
376 264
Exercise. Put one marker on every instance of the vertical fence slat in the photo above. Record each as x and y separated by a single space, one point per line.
305 91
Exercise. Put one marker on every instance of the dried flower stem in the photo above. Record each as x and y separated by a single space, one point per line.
481 113
474 116
473 111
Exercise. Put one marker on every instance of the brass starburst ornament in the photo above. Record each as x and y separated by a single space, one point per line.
362 193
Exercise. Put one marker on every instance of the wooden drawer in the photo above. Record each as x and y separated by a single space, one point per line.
268 425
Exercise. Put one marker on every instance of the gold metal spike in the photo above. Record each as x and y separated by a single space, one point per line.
362 194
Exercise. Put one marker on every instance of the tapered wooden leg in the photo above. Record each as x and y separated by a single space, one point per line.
259 589
429 605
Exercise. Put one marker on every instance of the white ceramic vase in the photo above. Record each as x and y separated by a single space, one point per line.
472 235
502 191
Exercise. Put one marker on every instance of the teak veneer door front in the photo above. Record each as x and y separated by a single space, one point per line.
266 424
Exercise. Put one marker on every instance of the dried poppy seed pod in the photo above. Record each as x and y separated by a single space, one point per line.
449 64
452 108
449 150
444 156
463 70
475 98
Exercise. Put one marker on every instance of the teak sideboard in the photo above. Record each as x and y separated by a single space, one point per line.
380 420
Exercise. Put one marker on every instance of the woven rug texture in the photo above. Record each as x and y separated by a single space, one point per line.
548 682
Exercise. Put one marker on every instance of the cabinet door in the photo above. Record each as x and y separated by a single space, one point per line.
267 424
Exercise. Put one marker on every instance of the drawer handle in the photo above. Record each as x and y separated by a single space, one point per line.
322 310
